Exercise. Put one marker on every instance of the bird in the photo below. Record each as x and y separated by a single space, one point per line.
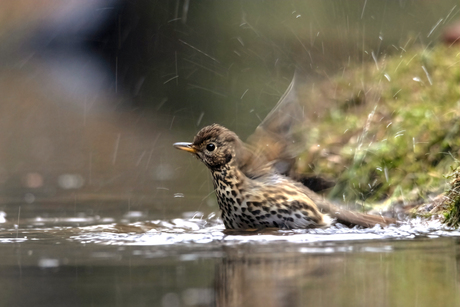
253 181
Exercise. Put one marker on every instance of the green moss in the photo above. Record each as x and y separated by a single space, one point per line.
394 126
452 201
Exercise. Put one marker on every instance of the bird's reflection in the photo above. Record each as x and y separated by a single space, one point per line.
269 279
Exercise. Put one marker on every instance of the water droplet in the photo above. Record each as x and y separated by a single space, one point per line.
29 198
48 263
70 181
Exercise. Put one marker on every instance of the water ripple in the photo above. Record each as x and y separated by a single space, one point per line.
199 231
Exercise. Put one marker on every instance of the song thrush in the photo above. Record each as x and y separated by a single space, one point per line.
251 179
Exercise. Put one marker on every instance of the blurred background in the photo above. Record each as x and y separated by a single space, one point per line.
94 92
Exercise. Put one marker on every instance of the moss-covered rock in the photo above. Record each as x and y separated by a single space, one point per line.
390 127
451 202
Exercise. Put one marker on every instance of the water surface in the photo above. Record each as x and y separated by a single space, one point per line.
194 262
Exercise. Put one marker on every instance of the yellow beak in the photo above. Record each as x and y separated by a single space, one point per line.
185 146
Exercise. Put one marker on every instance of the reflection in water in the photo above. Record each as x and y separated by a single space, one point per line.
271 279
386 274
193 262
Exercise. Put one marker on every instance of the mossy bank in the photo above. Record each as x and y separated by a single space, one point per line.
391 128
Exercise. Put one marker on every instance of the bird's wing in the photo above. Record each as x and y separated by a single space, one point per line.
280 138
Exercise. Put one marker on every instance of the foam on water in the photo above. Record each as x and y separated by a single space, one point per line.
199 231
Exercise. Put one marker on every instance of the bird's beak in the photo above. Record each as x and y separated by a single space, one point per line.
185 146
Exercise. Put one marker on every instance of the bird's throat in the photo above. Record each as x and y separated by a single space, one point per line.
229 184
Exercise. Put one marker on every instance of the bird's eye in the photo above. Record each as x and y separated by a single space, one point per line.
210 147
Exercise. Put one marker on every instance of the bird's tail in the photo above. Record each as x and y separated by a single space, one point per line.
348 217
352 218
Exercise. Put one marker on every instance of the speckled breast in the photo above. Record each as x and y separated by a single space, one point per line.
247 204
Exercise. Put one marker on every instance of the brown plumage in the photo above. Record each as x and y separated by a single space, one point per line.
253 181
262 198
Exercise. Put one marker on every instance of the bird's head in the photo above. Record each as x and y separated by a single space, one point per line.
215 145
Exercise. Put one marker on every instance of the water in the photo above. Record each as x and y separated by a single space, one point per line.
194 262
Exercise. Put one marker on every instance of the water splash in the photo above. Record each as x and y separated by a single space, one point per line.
198 231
